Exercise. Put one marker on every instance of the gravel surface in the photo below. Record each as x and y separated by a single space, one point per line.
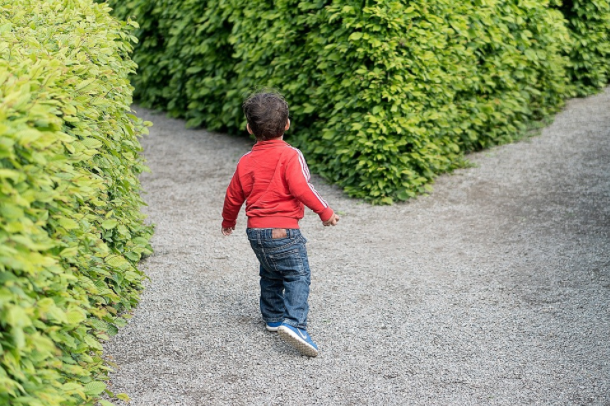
492 290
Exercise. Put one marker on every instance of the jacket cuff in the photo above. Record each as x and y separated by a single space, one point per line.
228 224
326 214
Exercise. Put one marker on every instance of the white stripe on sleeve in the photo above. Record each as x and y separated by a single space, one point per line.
307 175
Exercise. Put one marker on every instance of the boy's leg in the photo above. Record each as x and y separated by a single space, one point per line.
294 267
272 296
271 282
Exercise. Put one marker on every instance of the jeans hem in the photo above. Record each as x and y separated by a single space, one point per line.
281 319
295 325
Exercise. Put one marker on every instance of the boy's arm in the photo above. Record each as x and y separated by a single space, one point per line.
297 177
234 198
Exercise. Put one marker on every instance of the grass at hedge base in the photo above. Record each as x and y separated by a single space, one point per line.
384 95
71 232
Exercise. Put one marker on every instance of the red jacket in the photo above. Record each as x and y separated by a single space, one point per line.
273 180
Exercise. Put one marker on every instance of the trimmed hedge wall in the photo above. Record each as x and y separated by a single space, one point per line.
589 25
71 232
384 95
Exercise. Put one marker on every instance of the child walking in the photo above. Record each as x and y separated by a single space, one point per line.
273 180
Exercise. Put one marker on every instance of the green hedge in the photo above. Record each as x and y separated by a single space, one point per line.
518 69
384 95
71 232
589 25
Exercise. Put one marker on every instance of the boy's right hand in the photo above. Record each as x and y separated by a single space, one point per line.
227 230
331 221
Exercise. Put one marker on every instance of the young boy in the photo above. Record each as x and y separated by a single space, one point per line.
273 180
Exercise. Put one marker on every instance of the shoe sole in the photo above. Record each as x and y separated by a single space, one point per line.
272 329
297 342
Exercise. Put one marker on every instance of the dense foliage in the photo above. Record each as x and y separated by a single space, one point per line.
384 95
589 25
71 232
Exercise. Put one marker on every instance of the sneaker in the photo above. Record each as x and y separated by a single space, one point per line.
273 326
299 339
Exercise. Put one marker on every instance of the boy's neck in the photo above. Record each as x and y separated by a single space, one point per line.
281 138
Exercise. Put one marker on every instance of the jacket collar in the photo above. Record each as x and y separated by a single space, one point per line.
269 144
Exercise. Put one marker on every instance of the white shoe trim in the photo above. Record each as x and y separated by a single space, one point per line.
297 342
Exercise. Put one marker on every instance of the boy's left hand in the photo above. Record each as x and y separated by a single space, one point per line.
331 221
228 230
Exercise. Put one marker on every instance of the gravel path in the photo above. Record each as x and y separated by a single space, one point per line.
493 290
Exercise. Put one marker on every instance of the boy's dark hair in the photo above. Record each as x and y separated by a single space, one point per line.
267 114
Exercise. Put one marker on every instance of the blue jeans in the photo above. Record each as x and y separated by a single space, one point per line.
285 275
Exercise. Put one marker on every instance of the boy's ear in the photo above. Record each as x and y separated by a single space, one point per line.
287 125
249 129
